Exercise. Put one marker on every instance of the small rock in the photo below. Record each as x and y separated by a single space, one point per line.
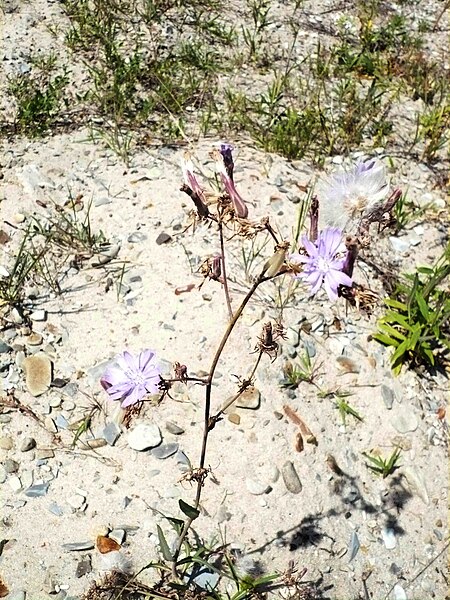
39 489
137 237
388 396
6 443
405 422
3 474
44 453
291 478
78 546
234 418
27 444
50 425
400 245
118 535
76 501
4 348
34 339
84 566
417 483
256 487
353 546
11 466
17 595
249 399
38 373
388 536
163 238
398 593
144 436
174 428
39 315
111 433
165 450
61 422
15 483
68 405
55 509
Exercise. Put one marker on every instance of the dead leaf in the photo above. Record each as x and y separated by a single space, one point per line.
3 589
299 442
105 544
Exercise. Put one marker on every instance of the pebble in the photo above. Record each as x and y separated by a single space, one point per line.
3 474
400 245
68 405
398 593
44 453
118 535
173 428
353 546
34 339
250 399
49 424
54 402
78 546
27 444
389 539
38 489
84 566
388 396
6 443
76 501
137 237
405 422
4 348
291 478
256 487
163 238
11 466
17 595
39 315
38 373
111 433
144 436
15 483
55 509
417 483
61 422
165 450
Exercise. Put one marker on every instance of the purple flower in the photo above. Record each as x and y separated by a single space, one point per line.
132 377
240 208
324 263
226 150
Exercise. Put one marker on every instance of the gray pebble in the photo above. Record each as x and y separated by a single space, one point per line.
3 474
54 402
78 546
111 433
353 546
291 478
388 396
256 487
6 443
39 315
84 566
71 389
4 348
68 405
165 450
163 238
61 422
310 348
405 422
27 444
5 418
118 535
55 509
40 489
137 237
11 466
174 428
144 436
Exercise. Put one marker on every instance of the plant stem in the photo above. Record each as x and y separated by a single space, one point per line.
207 418
224 272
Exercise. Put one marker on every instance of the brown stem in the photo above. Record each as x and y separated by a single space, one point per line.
224 273
207 418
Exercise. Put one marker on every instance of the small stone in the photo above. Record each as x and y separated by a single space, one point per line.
61 422
15 483
11 466
388 536
400 245
27 444
388 396
17 595
3 474
398 593
174 428
84 566
50 425
163 238
234 418
54 402
250 399
111 433
39 489
78 546
68 405
144 436
165 450
91 444
4 348
38 373
405 422
39 315
291 478
105 256
34 339
55 509
76 501
137 237
6 443
44 453
257 488
417 483
118 535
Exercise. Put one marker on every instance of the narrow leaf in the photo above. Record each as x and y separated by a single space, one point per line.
164 545
188 510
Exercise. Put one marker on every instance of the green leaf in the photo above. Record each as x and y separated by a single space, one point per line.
423 307
400 351
391 331
394 317
188 510
164 545
396 304
384 339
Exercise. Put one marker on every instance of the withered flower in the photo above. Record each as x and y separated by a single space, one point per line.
180 372
267 343
192 187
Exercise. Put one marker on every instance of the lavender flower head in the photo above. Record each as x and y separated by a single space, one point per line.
240 208
348 196
189 177
132 377
324 263
226 150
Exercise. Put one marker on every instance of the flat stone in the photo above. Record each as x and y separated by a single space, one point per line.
398 593
3 474
27 444
250 399
4 348
417 483
165 450
163 238
50 425
405 422
43 453
137 237
256 487
38 373
76 501
34 339
291 478
118 535
79 546
39 489
84 566
144 436
55 509
15 484
389 539
11 466
353 546
17 595
174 428
111 433
388 396
39 315
6 443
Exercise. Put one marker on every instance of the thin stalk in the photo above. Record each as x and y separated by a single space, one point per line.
224 272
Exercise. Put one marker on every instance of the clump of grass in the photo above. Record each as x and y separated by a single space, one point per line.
304 370
416 323
383 466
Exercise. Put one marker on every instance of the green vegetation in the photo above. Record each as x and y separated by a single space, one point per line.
383 466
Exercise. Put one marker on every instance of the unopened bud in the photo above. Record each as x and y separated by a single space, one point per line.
274 264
